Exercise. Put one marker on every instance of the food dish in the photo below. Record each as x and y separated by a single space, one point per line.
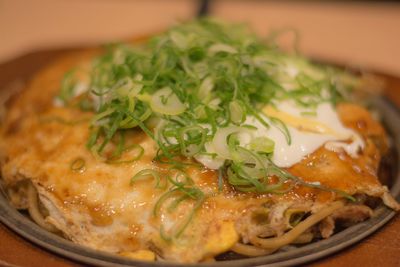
58 166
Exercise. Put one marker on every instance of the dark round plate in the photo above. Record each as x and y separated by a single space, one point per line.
286 256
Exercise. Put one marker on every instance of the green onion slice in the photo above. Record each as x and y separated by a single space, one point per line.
138 149
164 101
237 112
262 144
149 173
78 165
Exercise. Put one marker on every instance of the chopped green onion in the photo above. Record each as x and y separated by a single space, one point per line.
68 85
139 153
147 173
182 190
283 128
191 140
78 165
164 101
219 47
237 113
262 144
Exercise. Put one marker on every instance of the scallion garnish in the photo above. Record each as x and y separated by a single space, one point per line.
147 173
182 190
78 165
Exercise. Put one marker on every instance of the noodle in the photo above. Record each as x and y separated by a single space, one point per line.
304 238
251 251
34 210
292 235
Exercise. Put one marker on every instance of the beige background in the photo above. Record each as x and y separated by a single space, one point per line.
364 34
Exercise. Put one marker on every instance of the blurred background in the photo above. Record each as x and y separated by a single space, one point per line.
357 33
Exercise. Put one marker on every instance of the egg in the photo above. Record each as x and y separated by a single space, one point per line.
143 254
307 130
221 237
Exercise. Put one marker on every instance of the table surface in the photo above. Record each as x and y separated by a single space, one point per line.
380 249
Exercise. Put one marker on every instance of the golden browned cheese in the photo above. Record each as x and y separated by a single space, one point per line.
98 206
